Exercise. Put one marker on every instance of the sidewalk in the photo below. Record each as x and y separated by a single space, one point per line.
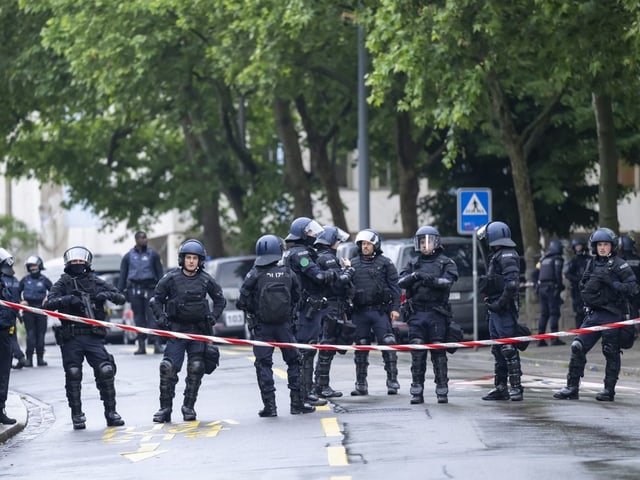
15 409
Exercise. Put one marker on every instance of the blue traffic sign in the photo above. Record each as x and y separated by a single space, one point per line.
474 209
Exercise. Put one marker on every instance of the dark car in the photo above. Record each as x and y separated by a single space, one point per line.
229 272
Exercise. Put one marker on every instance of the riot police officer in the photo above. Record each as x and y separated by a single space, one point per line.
180 304
140 270
607 284
337 328
7 331
573 273
549 286
269 294
11 284
80 292
33 289
302 259
427 280
376 303
501 296
628 253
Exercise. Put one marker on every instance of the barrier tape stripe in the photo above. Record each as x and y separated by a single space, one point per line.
313 346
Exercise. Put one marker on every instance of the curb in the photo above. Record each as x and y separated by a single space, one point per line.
15 408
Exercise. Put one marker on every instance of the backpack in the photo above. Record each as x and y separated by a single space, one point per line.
274 304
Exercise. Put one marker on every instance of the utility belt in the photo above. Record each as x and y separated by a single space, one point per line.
140 290
314 304
186 327
367 308
411 306
67 331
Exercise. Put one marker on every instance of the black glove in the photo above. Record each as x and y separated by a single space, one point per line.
117 298
163 322
498 306
71 301
103 296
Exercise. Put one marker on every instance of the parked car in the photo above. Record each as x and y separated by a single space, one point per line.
229 272
459 249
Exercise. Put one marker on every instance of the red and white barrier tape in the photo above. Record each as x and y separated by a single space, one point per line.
235 341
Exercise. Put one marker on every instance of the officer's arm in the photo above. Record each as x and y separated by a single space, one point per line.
246 290
124 273
219 302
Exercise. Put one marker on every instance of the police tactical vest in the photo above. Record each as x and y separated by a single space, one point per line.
423 294
327 260
301 259
9 292
188 303
35 289
370 288
140 266
548 269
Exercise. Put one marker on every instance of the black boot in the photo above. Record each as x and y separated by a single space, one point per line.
576 370
500 392
73 385
28 361
441 379
4 419
269 401
323 367
298 405
571 391
142 349
391 366
106 386
418 371
515 374
361 360
41 362
306 379
158 348
22 361
168 380
608 393
195 372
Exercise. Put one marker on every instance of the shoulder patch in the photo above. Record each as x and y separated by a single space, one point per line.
304 262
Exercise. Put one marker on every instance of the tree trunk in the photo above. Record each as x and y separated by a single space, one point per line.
608 161
212 234
295 174
407 151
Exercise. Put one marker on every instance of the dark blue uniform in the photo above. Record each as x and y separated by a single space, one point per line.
549 287
84 295
427 281
180 304
34 288
7 337
376 294
573 273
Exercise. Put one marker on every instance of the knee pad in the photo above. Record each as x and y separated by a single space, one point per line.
106 371
363 341
195 366
576 347
508 351
416 341
74 373
166 368
495 350
389 339
610 350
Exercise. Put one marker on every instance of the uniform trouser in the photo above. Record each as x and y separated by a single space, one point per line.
142 314
428 327
610 349
74 350
36 327
578 305
507 360
373 323
309 329
16 351
264 357
549 308
174 353
5 364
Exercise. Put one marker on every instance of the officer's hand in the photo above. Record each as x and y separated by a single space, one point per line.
103 297
163 322
495 307
394 315
618 286
71 301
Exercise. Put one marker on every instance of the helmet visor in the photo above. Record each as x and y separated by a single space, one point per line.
426 243
77 253
313 229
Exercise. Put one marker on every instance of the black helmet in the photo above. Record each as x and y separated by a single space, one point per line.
627 244
194 247
303 227
269 249
368 235
34 260
78 253
603 234
579 241
555 247
330 235
496 234
427 231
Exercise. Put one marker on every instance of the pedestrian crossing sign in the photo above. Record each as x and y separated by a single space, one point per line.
474 209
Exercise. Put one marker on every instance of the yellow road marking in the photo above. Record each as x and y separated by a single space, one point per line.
280 373
146 450
330 427
337 456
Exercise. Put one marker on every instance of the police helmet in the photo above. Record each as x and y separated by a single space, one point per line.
579 241
603 234
78 253
496 234
269 249
627 244
330 235
368 235
34 260
431 236
303 227
555 247
194 247
6 258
